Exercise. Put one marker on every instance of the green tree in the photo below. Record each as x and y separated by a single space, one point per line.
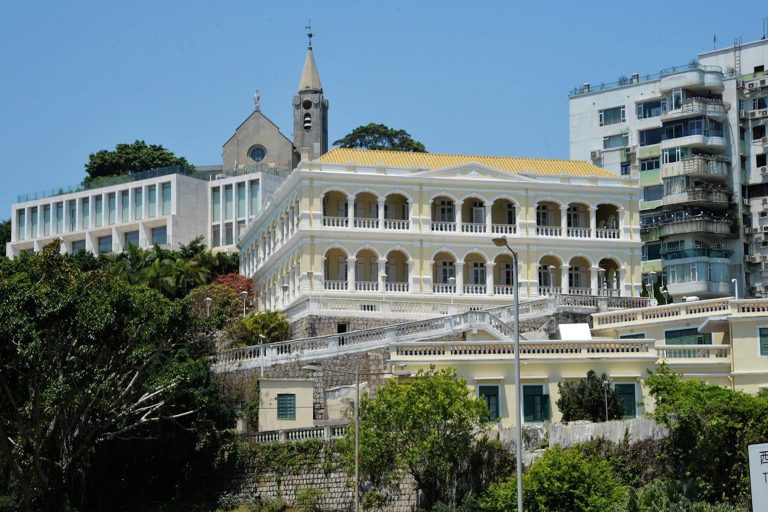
225 303
5 235
427 426
379 136
585 399
560 480
86 359
130 159
664 495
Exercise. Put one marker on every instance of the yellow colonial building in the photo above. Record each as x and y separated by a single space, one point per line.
406 235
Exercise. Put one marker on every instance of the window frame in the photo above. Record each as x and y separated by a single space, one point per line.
480 394
544 407
280 407
759 343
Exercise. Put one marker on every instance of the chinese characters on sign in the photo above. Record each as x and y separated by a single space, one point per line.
758 475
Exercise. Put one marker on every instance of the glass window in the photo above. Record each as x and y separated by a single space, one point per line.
240 200
286 406
650 137
613 115
254 197
615 141
228 235
649 109
653 193
138 206
131 237
47 220
152 200
105 244
85 213
160 235
72 214
59 218
687 337
651 164
166 191
633 336
228 211
625 168
216 235
98 206
651 251
21 224
535 403
627 398
125 206
78 246
490 394
111 208
33 220
216 204
763 334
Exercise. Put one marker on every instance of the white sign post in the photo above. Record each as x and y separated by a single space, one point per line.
758 475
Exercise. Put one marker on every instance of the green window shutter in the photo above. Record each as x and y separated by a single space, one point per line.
626 394
545 409
763 341
286 406
535 403
491 396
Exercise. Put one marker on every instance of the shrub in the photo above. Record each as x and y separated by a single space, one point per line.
225 304
307 499
585 399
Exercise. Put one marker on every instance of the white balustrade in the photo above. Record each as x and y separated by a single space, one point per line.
474 289
366 223
579 232
400 224
366 286
694 352
505 229
443 226
576 290
330 284
504 289
335 222
549 231
473 227
608 233
697 308
397 287
549 290
443 288
613 292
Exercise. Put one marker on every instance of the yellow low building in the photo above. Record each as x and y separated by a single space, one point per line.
285 404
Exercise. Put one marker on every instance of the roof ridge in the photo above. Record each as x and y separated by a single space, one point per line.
416 153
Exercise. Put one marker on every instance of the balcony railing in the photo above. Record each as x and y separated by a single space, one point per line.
701 308
578 290
549 290
694 225
330 284
504 289
443 226
396 287
474 289
587 88
335 222
401 224
700 195
366 286
697 253
473 227
298 434
549 230
505 229
368 223
579 232
443 288
676 352
608 233
698 106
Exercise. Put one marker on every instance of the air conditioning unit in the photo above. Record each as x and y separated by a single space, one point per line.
596 154
745 201
764 170
631 150
755 230
751 85
764 113
759 287
763 82
765 228
753 114
739 83
765 200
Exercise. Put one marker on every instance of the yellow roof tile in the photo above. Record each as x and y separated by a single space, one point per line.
407 160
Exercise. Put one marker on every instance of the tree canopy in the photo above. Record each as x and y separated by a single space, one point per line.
379 136
5 235
130 159
586 399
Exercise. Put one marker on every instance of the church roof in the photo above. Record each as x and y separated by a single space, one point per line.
406 160
310 78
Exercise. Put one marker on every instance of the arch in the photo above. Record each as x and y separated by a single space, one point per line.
397 206
473 211
397 248
446 250
550 199
475 272
581 202
577 216
443 269
366 267
579 279
607 216
366 190
335 269
335 204
609 276
503 196
368 247
396 270
548 213
582 256
550 272
443 193
477 252
401 192
504 215
443 212
336 245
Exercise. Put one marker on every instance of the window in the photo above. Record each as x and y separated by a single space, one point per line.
650 137
85 212
615 141
478 272
651 164
33 221
633 336
98 206
286 406
59 218
131 237
72 215
228 206
649 109
228 235
77 246
152 200
535 403
105 244
651 251
613 115
653 193
216 236
760 160
762 333
758 132
257 153
240 200
490 394
47 220
627 398
445 271
159 235
166 196
112 207
125 206
216 204
687 337
342 327
254 193
21 224
138 206
625 168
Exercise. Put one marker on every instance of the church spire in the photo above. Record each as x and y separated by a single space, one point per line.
310 110
310 78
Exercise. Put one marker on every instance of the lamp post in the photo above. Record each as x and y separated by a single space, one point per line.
602 284
207 301
452 287
502 242
606 383
261 354
735 288
244 296
551 270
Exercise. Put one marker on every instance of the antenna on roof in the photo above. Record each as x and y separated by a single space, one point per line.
308 28
714 42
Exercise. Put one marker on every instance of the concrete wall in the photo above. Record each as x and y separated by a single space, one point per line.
269 389
257 129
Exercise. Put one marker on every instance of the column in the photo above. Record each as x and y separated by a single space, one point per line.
489 277
457 209
459 270
488 217
564 278
564 220
623 228
620 281
351 211
381 202
408 278
104 210
351 271
592 222
593 274
247 201
382 276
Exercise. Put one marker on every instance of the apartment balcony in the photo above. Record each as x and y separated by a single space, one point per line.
697 253
711 168
683 226
443 226
699 197
700 309
335 222
697 107
650 233
694 77
704 289
710 140
397 224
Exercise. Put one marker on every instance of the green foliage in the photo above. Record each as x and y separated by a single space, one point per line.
382 137
225 303
130 159
251 408
711 430
663 495
634 464
561 479
585 399
273 325
5 235
307 500
427 426
88 359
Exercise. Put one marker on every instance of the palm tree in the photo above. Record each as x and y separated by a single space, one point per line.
273 325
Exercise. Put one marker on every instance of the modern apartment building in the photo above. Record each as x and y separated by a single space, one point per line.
695 137
384 233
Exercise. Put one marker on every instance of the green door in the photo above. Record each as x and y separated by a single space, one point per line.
626 393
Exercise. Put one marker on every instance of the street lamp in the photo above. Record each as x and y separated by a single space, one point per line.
735 288
452 287
551 270
502 242
601 282
606 383
207 301
244 296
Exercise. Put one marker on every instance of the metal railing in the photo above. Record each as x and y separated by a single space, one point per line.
624 81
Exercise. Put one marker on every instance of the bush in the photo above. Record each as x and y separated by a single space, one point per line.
585 399
307 499
225 304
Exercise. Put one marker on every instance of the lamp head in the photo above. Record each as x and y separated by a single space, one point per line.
207 301
500 241
243 294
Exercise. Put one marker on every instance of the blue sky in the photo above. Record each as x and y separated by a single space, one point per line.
464 77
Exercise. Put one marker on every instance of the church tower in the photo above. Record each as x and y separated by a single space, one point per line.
310 111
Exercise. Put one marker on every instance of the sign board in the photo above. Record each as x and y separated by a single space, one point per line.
758 475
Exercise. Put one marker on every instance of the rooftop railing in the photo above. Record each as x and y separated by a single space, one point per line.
624 81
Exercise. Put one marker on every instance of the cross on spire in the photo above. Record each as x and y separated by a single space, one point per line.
308 28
